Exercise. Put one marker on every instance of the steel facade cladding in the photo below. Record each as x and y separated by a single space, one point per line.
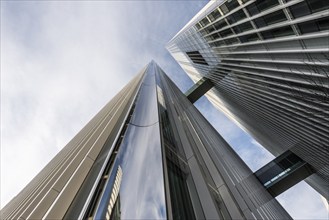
148 154
268 61
56 186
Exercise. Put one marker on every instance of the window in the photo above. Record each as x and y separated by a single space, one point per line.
271 18
196 57
210 29
307 7
215 36
242 27
226 33
318 5
224 9
217 43
214 15
248 38
220 24
203 32
299 10
231 41
237 16
232 4
277 32
261 5
204 22
314 26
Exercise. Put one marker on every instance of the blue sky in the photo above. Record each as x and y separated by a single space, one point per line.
61 61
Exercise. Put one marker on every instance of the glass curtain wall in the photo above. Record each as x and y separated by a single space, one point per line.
169 163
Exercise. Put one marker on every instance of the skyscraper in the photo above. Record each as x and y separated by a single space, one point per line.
148 154
266 65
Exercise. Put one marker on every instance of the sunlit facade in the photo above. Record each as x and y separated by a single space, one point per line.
268 63
148 154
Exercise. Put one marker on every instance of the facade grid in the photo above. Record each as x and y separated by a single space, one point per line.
268 61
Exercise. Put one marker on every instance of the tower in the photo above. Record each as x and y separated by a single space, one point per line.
148 154
265 64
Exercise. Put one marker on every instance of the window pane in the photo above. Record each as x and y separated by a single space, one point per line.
215 36
220 24
237 16
196 57
271 18
210 29
231 41
278 32
300 9
224 9
323 24
231 5
252 9
261 5
242 27
308 27
198 26
248 38
214 15
318 5
204 22
275 17
314 26
226 33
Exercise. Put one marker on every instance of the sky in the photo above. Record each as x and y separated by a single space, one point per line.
62 61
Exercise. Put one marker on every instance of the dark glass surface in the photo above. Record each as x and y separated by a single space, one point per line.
308 7
300 9
242 27
181 203
318 5
271 18
220 24
224 9
214 15
198 26
210 29
231 41
215 36
261 5
314 26
278 32
280 166
237 16
231 5
204 22
196 57
226 32
217 43
180 198
248 38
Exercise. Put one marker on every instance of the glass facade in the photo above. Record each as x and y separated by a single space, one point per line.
268 63
149 154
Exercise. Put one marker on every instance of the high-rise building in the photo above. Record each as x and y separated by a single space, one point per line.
266 65
148 154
